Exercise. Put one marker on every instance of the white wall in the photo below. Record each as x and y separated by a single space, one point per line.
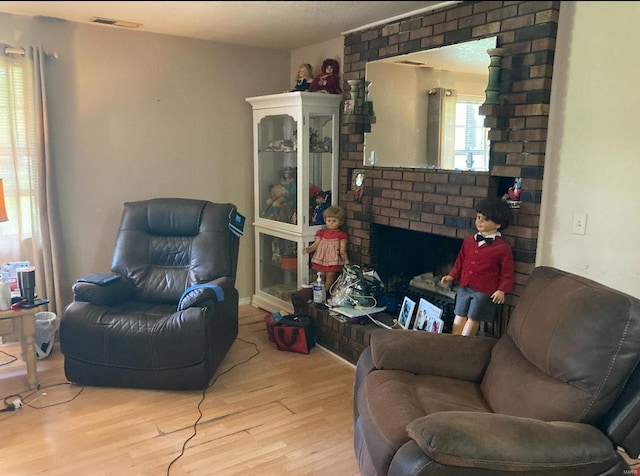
592 164
137 115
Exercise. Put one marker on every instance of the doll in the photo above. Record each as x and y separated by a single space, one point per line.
328 81
330 247
288 181
304 79
322 201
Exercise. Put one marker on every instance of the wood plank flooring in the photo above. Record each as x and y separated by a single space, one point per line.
268 413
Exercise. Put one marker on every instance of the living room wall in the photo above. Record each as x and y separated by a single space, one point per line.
137 115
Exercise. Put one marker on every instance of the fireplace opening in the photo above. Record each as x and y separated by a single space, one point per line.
402 257
399 255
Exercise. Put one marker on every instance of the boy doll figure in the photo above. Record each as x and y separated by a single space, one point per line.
484 268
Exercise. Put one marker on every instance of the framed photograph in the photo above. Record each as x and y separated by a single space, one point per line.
406 312
429 317
435 324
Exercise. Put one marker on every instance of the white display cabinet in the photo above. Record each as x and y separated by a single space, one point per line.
296 146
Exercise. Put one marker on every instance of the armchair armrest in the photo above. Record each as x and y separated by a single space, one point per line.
103 294
205 294
424 353
496 442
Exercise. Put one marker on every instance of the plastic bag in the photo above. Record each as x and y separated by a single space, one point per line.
46 327
356 287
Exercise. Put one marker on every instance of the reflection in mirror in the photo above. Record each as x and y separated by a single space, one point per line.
426 108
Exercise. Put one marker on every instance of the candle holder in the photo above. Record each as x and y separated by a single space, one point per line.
350 105
493 84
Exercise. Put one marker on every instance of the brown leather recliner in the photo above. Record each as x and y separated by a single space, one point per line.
556 395
134 332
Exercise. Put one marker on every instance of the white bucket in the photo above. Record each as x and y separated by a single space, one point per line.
46 327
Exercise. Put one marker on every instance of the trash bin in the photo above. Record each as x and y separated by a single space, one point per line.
46 327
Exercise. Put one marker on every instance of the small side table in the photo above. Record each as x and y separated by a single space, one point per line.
23 322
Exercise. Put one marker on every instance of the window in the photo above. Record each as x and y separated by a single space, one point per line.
18 154
471 137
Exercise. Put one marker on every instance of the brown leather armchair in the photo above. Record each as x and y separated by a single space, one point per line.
134 332
556 395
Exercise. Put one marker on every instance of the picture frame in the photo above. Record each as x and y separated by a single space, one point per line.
428 317
406 312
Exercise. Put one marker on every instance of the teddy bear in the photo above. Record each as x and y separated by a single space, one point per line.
278 207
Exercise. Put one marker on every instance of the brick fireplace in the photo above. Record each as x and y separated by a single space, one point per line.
442 202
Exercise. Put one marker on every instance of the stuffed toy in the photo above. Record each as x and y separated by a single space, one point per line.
278 207
328 81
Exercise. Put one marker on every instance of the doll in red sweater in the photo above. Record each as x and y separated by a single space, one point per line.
484 268
328 81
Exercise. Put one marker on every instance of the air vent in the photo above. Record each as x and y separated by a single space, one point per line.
112 22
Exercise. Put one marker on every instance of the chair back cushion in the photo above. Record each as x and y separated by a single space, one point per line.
570 346
165 245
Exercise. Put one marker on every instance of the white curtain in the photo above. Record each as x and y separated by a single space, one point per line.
25 166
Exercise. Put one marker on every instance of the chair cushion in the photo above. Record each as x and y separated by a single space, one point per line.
394 398
537 371
135 335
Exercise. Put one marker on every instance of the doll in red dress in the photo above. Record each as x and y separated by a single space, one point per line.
330 247
328 81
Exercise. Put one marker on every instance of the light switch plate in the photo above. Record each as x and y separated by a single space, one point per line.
579 225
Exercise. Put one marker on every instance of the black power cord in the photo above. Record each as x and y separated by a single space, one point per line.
204 391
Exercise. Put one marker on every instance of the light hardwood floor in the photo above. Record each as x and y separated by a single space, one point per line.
268 413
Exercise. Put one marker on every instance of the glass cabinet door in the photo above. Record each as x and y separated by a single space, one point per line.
277 168
282 265
321 168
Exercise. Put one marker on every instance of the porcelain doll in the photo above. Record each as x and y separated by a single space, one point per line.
328 81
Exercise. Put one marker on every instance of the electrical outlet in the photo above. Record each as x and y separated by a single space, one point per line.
579 226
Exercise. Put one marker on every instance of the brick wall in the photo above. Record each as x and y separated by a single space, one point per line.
442 202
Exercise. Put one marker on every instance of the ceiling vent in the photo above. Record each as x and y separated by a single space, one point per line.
112 22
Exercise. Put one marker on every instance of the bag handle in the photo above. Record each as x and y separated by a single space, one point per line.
294 336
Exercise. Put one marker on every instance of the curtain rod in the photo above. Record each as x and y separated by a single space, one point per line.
10 50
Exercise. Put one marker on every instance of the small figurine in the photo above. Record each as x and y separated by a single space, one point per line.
515 191
288 181
322 201
304 79
512 197
328 81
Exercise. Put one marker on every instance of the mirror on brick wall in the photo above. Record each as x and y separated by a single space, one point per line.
426 108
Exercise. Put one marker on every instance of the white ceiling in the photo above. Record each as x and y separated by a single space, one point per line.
273 24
